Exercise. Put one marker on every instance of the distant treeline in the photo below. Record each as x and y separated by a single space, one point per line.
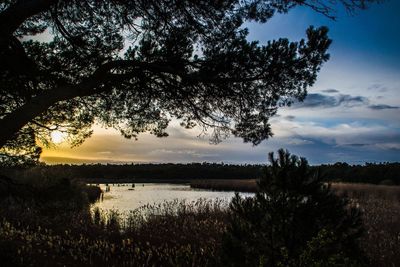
382 173
387 173
143 172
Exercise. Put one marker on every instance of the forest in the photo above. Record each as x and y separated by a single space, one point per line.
373 173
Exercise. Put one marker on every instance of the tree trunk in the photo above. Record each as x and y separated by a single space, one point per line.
12 123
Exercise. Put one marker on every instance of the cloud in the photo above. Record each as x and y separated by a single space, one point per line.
299 142
330 91
356 145
184 152
378 87
327 131
317 100
78 160
333 133
327 101
350 101
290 117
104 152
389 146
319 142
382 106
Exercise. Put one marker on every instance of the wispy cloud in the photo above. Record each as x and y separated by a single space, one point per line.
378 87
290 117
190 153
323 101
299 142
356 145
382 106
330 91
336 134
316 100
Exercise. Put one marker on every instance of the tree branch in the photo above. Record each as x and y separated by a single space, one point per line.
16 120
12 17
165 67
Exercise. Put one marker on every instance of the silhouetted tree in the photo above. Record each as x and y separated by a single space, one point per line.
134 65
295 220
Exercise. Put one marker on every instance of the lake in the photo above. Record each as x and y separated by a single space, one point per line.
123 197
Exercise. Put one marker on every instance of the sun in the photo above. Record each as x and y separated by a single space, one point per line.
57 137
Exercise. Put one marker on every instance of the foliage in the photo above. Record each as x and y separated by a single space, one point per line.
134 65
175 233
50 202
380 205
171 234
114 173
22 152
374 173
294 220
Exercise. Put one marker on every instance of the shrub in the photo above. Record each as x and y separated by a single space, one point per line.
294 220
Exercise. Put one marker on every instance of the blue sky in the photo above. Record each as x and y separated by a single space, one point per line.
351 113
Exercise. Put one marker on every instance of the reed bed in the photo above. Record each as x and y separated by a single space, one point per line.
173 233
176 233
380 205
368 191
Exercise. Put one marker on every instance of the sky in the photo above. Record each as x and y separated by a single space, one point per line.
351 114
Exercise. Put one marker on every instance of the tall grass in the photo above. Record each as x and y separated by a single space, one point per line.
177 233
380 205
368 191
169 234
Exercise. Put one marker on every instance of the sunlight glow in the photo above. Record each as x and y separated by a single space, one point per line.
58 137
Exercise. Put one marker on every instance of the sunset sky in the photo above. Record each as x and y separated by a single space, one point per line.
351 114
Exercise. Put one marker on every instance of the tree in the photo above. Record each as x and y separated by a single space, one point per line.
294 220
134 65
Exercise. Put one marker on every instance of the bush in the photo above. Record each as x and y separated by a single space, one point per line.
48 202
9 253
294 220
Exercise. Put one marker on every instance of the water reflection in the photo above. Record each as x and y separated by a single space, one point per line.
125 197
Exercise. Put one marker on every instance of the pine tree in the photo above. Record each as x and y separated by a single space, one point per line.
294 220
134 65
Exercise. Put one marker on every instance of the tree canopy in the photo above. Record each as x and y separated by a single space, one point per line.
134 65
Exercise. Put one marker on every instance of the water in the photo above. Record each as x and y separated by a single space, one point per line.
123 198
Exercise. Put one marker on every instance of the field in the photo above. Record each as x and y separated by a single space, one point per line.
169 234
380 205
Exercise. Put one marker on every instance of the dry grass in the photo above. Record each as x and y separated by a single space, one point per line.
368 191
380 205
173 233
381 215
182 233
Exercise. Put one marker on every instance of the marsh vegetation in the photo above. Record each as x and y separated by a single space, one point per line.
48 222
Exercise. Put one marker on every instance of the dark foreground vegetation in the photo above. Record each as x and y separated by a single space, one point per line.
295 219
